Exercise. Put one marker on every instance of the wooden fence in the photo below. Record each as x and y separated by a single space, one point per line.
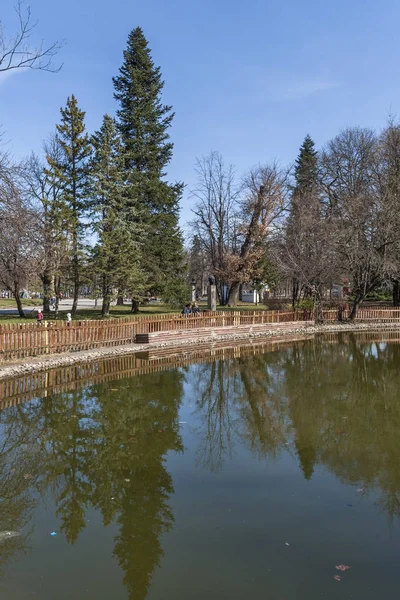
29 339
378 315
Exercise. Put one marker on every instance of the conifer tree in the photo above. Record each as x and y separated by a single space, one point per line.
306 169
143 122
117 254
304 209
71 167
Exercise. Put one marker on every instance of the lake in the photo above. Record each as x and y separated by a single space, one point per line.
229 473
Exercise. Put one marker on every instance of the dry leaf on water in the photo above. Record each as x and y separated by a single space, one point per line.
342 567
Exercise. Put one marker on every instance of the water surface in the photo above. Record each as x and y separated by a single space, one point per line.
250 474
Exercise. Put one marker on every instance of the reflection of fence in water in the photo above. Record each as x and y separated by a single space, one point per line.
27 387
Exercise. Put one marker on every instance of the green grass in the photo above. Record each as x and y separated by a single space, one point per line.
115 312
5 303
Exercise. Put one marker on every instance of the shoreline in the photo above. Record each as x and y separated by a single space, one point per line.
42 363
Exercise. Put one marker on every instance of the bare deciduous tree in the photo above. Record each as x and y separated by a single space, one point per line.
261 205
215 221
307 255
19 237
233 221
389 185
17 52
362 227
43 190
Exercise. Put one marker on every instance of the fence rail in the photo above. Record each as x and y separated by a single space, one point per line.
378 315
29 339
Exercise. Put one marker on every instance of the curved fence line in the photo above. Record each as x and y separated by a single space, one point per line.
28 339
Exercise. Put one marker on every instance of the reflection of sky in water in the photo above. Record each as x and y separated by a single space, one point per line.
377 348
190 483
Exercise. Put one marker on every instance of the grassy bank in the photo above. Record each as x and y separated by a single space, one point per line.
116 312
7 303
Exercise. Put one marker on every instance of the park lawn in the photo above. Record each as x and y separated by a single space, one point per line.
10 303
116 312
93 314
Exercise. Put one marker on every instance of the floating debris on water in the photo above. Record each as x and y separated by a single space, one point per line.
342 567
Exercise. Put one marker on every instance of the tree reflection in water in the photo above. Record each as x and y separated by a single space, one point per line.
101 447
334 404
330 404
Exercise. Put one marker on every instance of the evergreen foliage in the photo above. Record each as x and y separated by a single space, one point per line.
306 168
117 256
143 122
71 168
303 215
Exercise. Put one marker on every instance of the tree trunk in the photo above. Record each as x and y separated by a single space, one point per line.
354 308
396 293
220 286
75 261
295 292
19 302
340 313
233 294
46 279
120 298
105 309
318 308
57 291
76 296
135 306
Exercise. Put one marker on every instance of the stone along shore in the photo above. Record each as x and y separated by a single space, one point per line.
288 331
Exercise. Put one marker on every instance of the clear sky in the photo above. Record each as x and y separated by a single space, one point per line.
249 78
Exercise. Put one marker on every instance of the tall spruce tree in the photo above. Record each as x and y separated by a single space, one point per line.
306 169
143 122
71 167
117 255
304 209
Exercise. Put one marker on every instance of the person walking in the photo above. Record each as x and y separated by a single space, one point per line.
69 319
39 317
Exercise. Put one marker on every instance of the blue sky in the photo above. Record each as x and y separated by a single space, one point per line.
248 78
